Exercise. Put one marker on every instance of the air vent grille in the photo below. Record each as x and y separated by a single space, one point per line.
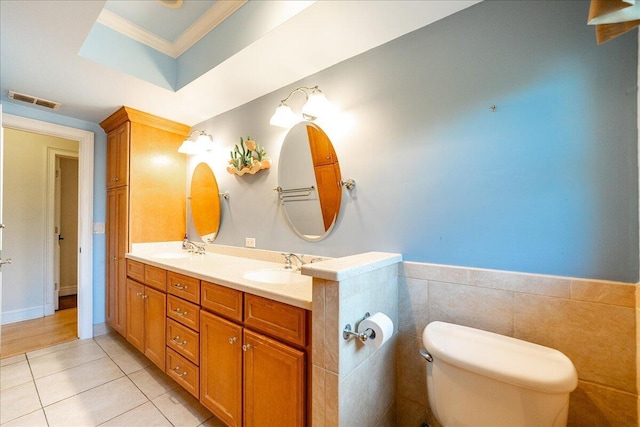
34 100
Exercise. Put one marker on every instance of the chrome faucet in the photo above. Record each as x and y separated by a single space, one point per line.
287 260
193 247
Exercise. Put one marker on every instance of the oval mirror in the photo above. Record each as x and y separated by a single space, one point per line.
309 181
205 203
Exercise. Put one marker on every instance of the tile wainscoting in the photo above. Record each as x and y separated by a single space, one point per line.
592 322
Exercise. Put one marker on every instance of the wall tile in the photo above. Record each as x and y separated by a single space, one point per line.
413 305
435 272
319 396
382 378
411 370
599 339
331 408
595 405
318 322
410 413
521 282
614 293
482 308
332 335
389 419
383 290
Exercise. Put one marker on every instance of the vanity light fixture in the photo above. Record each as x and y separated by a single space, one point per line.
204 142
315 106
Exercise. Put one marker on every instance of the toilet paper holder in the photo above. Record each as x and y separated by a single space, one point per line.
369 333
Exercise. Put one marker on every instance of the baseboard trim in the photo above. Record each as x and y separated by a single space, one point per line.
69 290
23 314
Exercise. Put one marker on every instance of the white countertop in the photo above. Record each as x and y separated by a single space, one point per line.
228 271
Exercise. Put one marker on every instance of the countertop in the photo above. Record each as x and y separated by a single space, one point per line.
228 271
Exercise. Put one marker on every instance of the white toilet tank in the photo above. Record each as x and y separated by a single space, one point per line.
478 378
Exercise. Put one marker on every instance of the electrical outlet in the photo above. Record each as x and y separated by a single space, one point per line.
250 242
98 228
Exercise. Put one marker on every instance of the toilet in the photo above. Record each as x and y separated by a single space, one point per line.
478 378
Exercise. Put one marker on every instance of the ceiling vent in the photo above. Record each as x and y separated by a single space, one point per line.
34 100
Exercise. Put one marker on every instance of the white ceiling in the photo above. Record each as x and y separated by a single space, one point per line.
40 41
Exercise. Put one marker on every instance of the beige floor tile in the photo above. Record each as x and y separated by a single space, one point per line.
18 401
145 415
97 405
58 347
131 361
213 422
67 383
15 374
13 359
181 408
66 358
33 419
113 344
152 381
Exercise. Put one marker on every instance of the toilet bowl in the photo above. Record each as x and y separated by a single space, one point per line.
478 378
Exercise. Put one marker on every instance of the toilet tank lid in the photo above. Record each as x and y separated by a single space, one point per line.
503 358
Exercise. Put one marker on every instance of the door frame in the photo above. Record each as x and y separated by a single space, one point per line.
85 208
52 256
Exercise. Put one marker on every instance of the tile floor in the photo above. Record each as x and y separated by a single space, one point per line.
103 381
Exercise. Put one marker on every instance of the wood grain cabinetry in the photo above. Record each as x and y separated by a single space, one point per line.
146 199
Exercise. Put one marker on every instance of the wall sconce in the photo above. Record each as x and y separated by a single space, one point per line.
315 106
204 142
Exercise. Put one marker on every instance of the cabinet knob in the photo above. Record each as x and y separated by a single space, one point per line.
179 286
246 347
176 340
138 294
233 340
144 296
177 371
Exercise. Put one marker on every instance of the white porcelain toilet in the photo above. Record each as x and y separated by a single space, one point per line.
478 378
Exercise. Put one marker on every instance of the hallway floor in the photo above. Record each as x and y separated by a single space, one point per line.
102 381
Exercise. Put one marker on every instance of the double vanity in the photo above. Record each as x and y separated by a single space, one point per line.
232 331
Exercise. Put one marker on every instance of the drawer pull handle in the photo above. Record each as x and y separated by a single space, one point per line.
181 287
139 294
180 313
177 371
246 347
176 340
233 340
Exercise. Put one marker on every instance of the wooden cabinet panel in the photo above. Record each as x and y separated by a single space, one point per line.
184 312
276 319
329 191
183 372
135 314
183 340
155 277
154 325
222 300
322 151
184 287
118 156
135 270
274 382
221 368
117 227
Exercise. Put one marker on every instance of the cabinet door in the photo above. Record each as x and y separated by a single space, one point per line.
221 368
155 310
274 382
118 156
117 247
135 314
329 191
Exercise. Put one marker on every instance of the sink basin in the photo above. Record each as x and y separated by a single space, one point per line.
275 275
171 255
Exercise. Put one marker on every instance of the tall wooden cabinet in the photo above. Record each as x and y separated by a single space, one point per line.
146 194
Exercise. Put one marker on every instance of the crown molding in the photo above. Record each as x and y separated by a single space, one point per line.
213 17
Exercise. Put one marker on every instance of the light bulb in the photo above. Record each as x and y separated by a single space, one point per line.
284 117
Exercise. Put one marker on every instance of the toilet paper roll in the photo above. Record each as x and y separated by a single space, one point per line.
381 324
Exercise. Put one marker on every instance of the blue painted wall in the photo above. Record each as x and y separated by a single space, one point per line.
548 183
99 190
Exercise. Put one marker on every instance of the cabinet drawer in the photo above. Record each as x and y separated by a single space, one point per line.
184 312
155 277
135 270
276 319
183 372
221 300
184 286
183 340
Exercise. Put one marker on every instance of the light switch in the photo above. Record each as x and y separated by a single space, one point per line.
98 228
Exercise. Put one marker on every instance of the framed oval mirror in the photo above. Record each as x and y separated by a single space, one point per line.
205 203
309 181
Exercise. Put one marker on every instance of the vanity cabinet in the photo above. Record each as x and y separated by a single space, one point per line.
146 194
146 310
253 362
